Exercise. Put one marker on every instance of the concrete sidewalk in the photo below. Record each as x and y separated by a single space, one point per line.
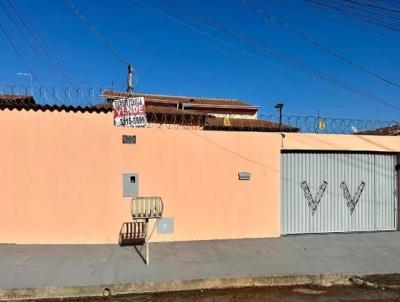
62 266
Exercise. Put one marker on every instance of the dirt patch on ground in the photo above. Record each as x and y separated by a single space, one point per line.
383 280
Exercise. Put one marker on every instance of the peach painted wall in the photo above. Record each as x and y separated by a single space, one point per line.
61 177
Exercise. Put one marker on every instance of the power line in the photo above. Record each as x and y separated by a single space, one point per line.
13 46
291 61
317 44
15 49
369 4
96 32
391 3
362 16
19 30
201 32
58 67
372 13
163 14
49 58
330 18
17 27
369 11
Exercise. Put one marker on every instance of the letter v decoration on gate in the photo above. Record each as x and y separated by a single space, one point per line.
352 201
313 202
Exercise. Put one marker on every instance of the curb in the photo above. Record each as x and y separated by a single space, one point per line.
15 294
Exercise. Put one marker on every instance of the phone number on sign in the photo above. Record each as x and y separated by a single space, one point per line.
132 121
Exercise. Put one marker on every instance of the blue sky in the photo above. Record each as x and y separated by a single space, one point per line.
187 57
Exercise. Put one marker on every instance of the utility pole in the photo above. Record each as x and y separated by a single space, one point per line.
130 80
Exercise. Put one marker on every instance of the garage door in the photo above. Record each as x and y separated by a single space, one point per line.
337 192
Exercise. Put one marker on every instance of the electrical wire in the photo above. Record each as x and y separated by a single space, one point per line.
212 37
17 27
7 13
282 57
362 16
42 52
54 62
15 49
369 4
96 32
154 10
369 11
325 17
317 44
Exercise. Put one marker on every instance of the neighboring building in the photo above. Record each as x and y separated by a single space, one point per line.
213 114
213 106
391 130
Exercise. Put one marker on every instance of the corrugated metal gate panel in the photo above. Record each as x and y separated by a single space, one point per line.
356 190
385 190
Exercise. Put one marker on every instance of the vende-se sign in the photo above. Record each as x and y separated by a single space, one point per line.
130 112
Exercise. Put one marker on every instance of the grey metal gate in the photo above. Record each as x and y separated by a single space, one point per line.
337 192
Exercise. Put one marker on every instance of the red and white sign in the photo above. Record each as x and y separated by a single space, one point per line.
130 112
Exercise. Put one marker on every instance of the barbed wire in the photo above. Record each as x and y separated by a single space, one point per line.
56 95
329 125
270 123
91 99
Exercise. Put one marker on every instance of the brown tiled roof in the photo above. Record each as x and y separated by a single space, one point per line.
171 110
392 130
177 99
13 99
246 124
